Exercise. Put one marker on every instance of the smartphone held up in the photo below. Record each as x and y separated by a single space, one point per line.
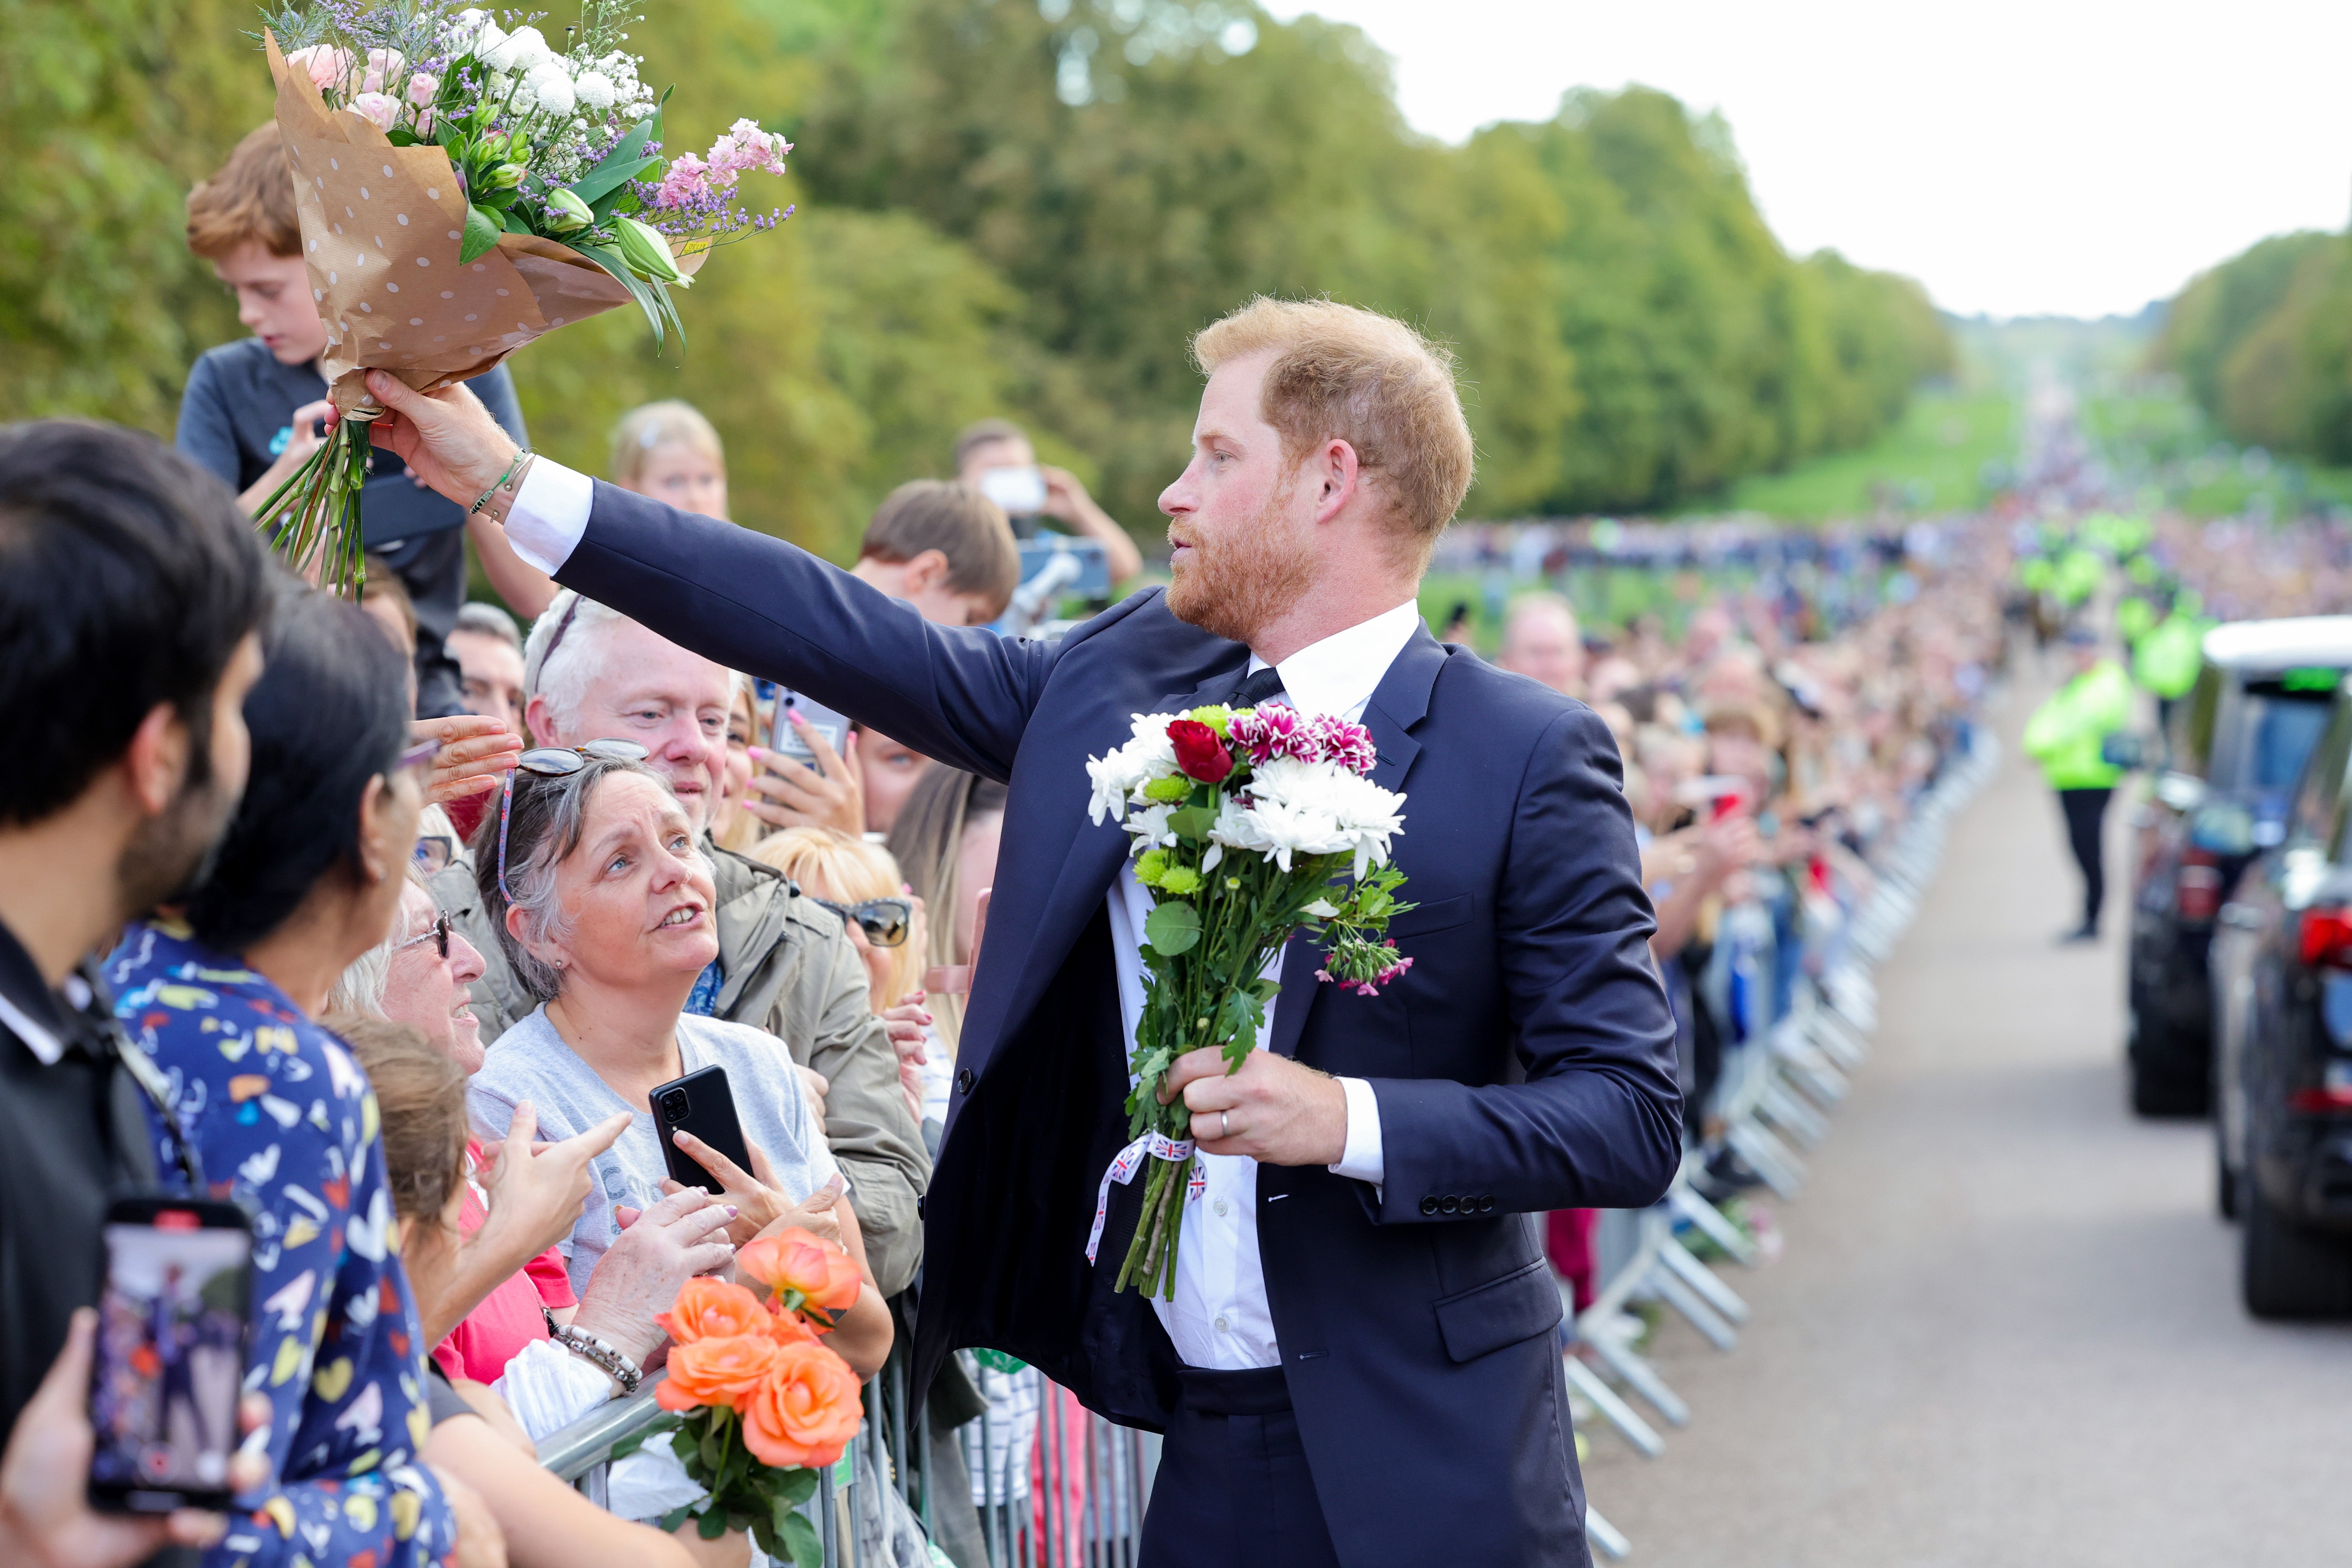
171 1354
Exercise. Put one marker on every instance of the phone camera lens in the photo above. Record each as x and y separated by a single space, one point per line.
673 1106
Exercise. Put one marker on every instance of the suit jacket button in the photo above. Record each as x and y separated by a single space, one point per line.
963 1081
1486 1206
1429 1205
1450 1205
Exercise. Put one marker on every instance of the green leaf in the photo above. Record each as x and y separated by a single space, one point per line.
712 1525
795 1486
1173 929
655 306
607 181
482 232
676 1517
1191 823
801 1538
514 223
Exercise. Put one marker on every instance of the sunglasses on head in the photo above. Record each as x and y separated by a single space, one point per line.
555 762
885 922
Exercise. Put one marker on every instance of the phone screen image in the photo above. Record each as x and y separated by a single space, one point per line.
171 1355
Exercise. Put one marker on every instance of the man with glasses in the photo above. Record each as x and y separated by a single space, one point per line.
598 681
131 590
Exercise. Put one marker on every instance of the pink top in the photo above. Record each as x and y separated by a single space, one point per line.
509 1318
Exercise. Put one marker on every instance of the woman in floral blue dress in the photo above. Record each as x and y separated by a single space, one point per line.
307 877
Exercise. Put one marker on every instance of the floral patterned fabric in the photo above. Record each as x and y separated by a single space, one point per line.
286 1125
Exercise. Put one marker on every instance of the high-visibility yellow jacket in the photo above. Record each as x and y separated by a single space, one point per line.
2165 661
2064 733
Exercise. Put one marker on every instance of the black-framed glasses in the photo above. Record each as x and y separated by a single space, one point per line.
555 762
437 933
885 922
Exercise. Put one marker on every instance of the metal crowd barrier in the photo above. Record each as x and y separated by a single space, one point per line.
1775 1103
1068 1489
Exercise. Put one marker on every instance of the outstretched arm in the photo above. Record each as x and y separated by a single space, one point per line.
748 601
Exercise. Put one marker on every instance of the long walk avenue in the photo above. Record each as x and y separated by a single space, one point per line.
2005 1328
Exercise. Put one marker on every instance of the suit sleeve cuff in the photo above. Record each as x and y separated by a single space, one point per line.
1362 1159
549 514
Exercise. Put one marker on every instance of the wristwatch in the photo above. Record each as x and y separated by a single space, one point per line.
580 1342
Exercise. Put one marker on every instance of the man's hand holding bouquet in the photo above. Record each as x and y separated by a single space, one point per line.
1248 825
759 1407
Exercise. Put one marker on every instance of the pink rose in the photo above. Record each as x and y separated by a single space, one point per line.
325 67
383 65
375 108
422 89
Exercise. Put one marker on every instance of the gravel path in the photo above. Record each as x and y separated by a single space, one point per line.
2005 1330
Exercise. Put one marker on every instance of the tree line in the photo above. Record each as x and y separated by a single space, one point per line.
1024 207
2263 343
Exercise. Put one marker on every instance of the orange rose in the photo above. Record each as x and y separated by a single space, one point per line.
713 1309
806 1411
717 1371
790 1328
796 1260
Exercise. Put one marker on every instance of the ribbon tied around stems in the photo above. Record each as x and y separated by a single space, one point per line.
1130 1159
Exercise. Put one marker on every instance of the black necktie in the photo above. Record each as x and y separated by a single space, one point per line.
1256 688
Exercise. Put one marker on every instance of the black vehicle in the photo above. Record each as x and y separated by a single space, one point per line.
2283 1071
2235 747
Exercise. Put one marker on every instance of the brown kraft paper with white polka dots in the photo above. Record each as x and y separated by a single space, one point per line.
381 230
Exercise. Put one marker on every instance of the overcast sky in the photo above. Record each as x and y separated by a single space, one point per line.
2019 157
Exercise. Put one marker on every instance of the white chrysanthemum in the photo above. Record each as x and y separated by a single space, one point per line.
595 91
1147 755
517 51
1313 808
550 87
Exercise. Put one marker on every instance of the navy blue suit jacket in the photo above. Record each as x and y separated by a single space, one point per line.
1524 1064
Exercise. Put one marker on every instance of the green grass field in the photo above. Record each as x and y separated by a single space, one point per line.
1936 458
2163 447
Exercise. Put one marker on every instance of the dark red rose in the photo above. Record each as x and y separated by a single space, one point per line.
1199 751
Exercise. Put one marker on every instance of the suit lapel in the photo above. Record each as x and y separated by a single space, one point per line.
1399 702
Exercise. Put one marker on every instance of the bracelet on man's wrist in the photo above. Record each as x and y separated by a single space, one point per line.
582 1343
509 486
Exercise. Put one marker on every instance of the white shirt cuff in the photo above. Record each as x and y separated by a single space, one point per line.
1361 1157
550 514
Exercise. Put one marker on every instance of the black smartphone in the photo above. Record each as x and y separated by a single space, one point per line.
172 1329
702 1104
784 736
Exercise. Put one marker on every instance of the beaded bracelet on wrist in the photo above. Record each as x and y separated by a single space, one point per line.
502 494
588 1346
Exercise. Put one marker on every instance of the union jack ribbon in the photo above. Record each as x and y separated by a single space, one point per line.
1130 1159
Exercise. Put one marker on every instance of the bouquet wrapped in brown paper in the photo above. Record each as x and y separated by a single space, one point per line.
463 190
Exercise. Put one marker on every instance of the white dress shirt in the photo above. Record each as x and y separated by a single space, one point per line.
1220 1317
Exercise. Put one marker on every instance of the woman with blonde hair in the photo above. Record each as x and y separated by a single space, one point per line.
860 882
669 451
731 827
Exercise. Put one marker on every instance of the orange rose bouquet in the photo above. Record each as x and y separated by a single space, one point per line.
758 1407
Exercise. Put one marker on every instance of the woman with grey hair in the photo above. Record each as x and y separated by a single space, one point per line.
602 898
